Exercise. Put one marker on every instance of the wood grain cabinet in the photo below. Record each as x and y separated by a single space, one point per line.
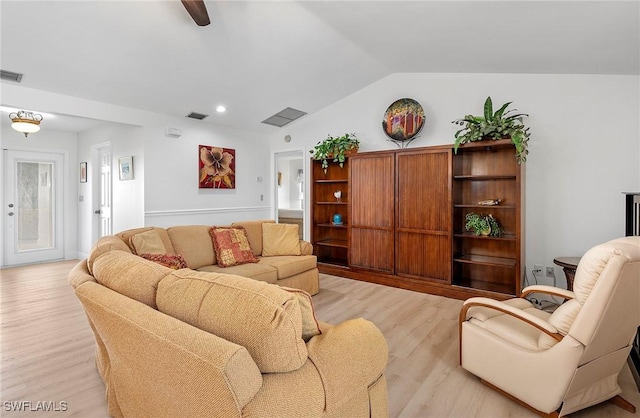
403 219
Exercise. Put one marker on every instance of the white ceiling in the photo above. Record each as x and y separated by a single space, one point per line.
259 57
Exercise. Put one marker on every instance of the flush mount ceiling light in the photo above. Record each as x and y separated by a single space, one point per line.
25 122
221 109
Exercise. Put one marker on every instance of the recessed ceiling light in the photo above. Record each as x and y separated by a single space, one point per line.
221 109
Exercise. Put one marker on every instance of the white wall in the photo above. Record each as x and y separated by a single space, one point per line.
47 141
172 196
127 196
164 191
584 148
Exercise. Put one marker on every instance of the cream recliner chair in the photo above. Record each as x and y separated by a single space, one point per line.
559 363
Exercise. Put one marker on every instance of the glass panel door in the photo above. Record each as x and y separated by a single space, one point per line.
33 207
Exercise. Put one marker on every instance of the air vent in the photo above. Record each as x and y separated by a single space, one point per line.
10 76
284 117
195 115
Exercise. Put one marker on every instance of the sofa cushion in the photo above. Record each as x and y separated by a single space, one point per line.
173 261
310 326
290 265
254 233
130 275
263 318
104 245
129 233
194 243
148 242
280 239
256 271
231 246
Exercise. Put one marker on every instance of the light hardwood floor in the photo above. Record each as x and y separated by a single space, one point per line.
47 349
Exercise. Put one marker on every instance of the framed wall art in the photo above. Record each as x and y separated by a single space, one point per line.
216 167
83 172
125 168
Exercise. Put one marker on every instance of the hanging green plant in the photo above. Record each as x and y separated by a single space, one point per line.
335 149
501 124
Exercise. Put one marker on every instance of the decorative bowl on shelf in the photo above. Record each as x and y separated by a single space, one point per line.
337 219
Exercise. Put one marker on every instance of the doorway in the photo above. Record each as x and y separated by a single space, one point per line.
290 188
102 191
33 198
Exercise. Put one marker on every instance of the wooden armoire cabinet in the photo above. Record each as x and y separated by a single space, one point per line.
406 211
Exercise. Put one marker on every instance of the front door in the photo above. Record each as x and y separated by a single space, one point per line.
33 199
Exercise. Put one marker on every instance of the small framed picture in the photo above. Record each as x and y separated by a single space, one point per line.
83 172
125 168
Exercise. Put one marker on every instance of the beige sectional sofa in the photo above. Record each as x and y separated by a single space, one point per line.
194 243
204 343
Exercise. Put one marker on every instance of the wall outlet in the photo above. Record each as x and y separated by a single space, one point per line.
537 268
550 272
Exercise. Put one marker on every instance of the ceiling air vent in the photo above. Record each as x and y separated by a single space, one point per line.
10 76
283 117
196 115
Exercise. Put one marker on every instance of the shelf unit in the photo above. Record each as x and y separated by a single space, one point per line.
330 240
488 170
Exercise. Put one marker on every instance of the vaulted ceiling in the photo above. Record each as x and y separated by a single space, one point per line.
259 57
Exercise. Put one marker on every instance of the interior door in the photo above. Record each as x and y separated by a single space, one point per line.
103 192
33 207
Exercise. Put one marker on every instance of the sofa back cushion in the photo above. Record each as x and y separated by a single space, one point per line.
130 275
263 318
254 233
194 243
103 246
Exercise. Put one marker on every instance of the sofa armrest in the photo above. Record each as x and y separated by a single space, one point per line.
201 370
306 248
349 357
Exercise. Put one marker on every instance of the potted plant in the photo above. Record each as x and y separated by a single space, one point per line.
501 124
484 225
335 149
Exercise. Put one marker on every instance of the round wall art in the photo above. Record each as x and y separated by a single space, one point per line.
403 120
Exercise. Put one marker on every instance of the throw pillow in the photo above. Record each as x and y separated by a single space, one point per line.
231 246
173 261
280 239
148 242
310 326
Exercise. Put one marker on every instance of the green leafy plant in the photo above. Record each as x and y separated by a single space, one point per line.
501 124
482 224
335 149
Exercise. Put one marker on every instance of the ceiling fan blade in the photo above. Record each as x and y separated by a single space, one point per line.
198 11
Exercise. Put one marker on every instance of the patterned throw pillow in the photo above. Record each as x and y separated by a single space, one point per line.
173 261
231 246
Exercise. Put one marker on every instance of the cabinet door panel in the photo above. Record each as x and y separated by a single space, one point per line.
372 212
371 186
424 255
372 249
423 225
